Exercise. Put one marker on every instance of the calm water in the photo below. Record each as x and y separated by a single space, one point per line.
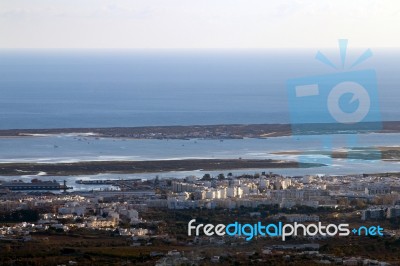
50 89
70 148
104 88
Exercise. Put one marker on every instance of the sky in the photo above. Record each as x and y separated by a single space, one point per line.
197 24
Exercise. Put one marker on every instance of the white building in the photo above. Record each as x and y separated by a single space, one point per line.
373 214
393 212
377 189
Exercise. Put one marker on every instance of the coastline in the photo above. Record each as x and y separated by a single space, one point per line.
387 153
231 131
131 167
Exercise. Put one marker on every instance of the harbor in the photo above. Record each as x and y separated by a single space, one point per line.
35 184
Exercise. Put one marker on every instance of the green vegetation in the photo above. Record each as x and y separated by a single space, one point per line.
95 167
19 216
94 247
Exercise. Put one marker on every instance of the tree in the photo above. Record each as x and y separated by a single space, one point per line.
156 181
358 203
221 176
206 177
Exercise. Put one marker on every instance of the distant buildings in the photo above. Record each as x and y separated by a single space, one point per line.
373 214
379 213
377 189
393 212
235 193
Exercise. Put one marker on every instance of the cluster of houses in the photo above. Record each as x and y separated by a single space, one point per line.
381 212
94 211
312 191
63 212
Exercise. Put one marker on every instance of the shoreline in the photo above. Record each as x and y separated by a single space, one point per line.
383 153
229 131
135 167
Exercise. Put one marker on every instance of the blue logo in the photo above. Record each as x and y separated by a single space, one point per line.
259 229
343 102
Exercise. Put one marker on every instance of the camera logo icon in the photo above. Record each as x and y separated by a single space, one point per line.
359 94
323 107
346 100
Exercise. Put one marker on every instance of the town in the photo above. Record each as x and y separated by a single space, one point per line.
151 216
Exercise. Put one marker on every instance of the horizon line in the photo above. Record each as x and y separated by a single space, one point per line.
19 49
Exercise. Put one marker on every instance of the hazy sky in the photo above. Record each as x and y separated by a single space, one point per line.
197 23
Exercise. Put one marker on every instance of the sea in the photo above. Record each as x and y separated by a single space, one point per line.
58 89
127 88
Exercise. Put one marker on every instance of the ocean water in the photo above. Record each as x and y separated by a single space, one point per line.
67 89
68 148
57 89
74 148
